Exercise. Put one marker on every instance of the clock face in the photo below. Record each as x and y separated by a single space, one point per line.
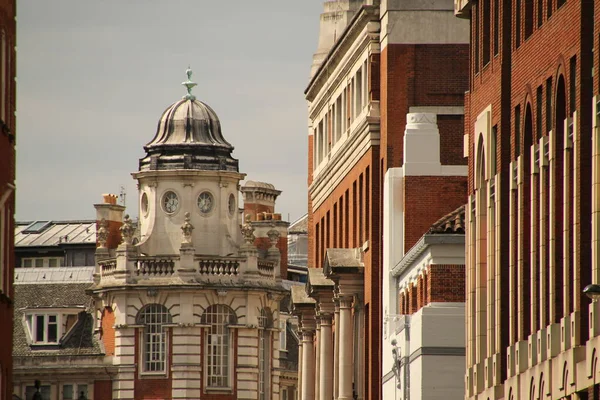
231 204
144 203
205 202
170 202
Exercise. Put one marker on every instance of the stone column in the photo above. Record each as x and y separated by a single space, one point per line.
317 359
300 356
336 350
345 349
326 359
308 365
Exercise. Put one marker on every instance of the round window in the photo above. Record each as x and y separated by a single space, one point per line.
170 202
205 202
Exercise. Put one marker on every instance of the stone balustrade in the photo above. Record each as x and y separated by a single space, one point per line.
266 268
155 266
219 266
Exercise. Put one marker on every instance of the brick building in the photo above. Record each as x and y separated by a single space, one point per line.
7 187
531 135
390 60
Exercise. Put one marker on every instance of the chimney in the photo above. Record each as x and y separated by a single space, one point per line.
259 204
113 215
259 199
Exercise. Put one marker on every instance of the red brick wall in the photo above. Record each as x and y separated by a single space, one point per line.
103 390
446 283
108 331
252 209
427 199
263 243
7 177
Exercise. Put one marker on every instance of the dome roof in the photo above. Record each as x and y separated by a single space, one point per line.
188 136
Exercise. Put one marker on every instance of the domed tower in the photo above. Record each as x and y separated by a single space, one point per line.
189 168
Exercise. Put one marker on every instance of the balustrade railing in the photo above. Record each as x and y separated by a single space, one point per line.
219 266
154 266
266 267
107 267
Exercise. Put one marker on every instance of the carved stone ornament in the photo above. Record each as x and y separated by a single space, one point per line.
273 237
248 231
127 230
422 118
102 233
187 229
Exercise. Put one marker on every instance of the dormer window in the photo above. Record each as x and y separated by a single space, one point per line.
48 327
43 328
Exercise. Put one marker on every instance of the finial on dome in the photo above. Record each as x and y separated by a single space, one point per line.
189 85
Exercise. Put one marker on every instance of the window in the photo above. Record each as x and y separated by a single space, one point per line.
44 391
39 262
43 328
358 94
37 227
528 18
217 351
486 31
475 12
548 104
497 25
517 23
540 12
74 391
284 394
154 340
283 333
265 321
549 9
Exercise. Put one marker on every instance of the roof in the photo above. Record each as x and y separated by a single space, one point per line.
299 226
53 233
453 222
54 275
80 339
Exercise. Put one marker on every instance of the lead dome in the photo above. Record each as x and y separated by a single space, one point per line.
189 136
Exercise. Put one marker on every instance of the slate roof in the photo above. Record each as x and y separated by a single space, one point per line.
453 222
80 339
299 226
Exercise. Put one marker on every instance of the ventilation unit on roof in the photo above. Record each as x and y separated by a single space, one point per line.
37 227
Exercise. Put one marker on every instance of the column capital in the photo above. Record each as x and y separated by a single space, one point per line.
345 301
325 318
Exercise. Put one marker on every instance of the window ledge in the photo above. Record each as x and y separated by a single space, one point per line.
227 390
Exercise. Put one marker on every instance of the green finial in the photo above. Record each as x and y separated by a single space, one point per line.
189 85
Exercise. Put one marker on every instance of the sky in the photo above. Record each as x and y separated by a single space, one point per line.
93 78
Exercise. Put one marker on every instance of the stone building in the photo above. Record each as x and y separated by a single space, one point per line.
532 218
8 57
193 309
391 64
188 302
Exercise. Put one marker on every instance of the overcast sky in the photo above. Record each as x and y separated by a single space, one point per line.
93 78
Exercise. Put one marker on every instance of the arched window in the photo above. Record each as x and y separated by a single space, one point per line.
217 345
154 343
265 321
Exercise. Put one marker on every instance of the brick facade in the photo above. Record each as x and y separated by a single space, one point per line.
531 68
7 195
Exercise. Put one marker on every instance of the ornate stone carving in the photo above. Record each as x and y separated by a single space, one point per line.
422 118
127 230
273 237
187 229
102 233
248 231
